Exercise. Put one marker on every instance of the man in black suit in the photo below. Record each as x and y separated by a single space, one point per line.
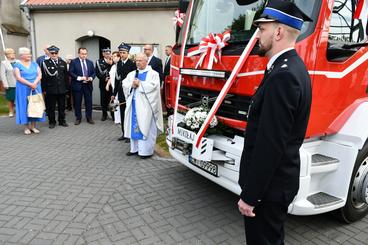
277 122
55 83
103 67
167 67
168 51
153 61
124 66
82 73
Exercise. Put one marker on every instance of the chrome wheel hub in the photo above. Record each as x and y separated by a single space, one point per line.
360 186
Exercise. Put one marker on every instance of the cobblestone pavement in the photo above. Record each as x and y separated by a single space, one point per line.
76 186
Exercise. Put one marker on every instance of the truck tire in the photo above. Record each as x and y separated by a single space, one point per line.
356 206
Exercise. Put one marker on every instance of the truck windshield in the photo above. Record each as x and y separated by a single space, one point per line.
217 16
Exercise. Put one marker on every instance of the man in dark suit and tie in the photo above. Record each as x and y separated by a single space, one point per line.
168 51
153 61
124 66
82 73
277 121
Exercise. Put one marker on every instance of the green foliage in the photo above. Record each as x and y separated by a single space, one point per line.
3 105
161 142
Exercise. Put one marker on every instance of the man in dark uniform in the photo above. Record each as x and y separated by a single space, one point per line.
55 85
277 122
103 67
124 66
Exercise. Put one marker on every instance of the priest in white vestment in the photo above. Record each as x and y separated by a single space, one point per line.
143 113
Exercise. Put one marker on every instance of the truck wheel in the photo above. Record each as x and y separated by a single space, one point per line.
356 206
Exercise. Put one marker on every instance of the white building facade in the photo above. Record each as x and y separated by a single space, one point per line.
70 24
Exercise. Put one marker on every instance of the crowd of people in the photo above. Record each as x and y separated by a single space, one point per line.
130 90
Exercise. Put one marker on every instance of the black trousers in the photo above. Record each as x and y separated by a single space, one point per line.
105 97
52 99
69 100
267 227
122 115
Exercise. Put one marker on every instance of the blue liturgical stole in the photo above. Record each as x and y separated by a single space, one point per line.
136 133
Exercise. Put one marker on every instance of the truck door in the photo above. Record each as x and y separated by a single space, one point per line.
340 65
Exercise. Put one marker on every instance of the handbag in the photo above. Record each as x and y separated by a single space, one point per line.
36 105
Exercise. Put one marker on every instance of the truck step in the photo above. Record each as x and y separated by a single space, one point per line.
321 199
322 164
319 159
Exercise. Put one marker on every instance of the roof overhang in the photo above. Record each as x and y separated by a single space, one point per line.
100 6
15 30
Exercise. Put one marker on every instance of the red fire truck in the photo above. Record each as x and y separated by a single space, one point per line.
334 156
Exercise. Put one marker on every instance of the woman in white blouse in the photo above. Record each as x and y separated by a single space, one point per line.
7 76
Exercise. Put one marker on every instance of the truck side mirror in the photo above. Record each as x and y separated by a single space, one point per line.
245 2
183 6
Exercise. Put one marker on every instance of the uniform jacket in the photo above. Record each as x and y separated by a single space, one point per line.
102 72
122 71
75 71
277 122
54 77
156 64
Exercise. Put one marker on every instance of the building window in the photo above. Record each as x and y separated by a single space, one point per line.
138 48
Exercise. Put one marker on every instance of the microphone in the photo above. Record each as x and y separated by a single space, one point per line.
136 77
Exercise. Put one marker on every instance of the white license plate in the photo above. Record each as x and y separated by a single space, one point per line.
206 166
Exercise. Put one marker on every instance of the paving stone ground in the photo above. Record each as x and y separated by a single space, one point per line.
76 186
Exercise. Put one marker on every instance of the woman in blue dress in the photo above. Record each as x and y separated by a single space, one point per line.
28 76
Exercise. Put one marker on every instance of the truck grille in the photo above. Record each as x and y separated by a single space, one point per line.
233 107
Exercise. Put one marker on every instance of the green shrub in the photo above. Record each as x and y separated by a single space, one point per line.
3 105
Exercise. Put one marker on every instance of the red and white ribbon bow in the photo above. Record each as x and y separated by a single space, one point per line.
210 49
179 18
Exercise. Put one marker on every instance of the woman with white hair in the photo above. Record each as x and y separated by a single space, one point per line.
28 76
7 76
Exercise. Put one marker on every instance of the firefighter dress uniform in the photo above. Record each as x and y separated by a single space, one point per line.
102 72
277 121
55 84
124 67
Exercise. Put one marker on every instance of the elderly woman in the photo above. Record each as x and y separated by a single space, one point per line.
28 76
7 76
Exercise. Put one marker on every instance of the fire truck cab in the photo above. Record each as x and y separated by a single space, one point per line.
334 156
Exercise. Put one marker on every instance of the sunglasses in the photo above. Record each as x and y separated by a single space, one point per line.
54 52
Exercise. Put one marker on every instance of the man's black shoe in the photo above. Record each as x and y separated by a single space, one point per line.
77 122
52 125
63 124
103 118
121 138
131 153
90 121
145 157
126 140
